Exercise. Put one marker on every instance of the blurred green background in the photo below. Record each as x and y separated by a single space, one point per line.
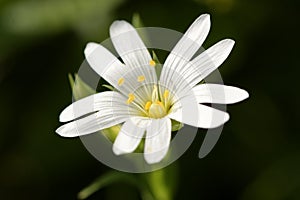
41 41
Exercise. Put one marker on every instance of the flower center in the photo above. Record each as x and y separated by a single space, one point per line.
150 100
156 109
159 106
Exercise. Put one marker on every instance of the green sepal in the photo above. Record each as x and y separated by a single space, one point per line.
79 88
112 132
140 147
155 58
138 24
136 21
109 87
158 66
176 125
201 82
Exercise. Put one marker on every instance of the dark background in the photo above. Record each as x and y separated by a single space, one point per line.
41 41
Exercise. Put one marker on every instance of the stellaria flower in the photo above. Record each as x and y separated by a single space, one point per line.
144 104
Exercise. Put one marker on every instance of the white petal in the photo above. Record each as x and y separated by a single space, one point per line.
199 30
106 65
100 59
91 124
187 46
207 62
130 135
158 139
100 101
222 94
121 77
205 117
200 67
192 40
132 49
113 71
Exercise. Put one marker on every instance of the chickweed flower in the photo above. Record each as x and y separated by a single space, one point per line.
142 102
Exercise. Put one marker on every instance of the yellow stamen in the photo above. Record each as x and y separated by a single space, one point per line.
166 94
152 63
130 98
147 105
141 78
121 81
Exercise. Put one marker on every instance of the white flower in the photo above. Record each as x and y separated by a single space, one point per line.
145 105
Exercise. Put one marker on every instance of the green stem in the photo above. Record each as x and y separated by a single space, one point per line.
163 182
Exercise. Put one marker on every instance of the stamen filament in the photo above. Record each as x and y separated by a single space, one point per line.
166 97
166 94
154 94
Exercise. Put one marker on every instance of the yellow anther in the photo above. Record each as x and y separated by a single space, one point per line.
121 81
147 105
166 94
130 98
152 63
141 78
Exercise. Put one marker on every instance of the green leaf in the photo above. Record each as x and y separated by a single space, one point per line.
114 177
104 180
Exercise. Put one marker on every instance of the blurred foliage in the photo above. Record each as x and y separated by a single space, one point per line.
37 18
42 41
281 180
